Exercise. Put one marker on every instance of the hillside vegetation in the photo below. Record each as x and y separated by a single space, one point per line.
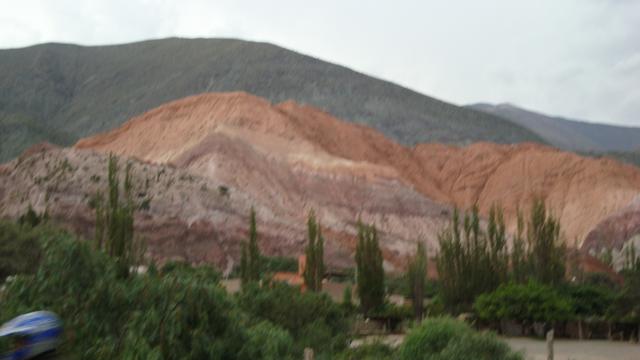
84 90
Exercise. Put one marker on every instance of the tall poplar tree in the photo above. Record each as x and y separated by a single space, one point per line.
115 218
369 267
251 259
471 261
417 276
547 254
314 269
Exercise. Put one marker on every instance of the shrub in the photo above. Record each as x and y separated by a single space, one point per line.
314 320
526 303
588 300
20 248
267 341
448 339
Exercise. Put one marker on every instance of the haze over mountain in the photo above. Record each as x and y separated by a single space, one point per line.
62 92
574 135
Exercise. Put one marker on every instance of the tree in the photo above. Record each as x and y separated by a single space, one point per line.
347 302
314 269
470 261
417 276
114 223
251 260
547 254
498 255
527 303
370 272
519 263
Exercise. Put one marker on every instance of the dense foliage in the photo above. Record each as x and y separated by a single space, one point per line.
115 217
448 339
474 260
471 261
20 249
175 312
369 269
527 303
546 252
313 320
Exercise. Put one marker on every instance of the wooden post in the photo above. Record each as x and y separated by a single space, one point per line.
580 334
308 354
550 345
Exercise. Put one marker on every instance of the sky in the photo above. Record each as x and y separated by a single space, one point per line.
575 58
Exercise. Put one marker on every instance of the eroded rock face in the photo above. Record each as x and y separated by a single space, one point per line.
241 138
203 161
202 220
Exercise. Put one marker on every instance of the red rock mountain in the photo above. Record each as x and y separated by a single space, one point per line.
203 161
189 133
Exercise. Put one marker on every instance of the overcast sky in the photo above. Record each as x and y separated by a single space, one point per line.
576 58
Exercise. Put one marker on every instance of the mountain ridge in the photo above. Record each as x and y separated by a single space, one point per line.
569 134
482 173
84 90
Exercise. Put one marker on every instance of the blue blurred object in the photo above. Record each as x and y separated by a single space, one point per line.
36 333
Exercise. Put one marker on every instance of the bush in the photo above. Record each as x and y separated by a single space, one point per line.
20 248
588 300
448 339
526 303
267 341
313 319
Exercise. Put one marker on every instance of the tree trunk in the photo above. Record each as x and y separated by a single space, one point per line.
609 335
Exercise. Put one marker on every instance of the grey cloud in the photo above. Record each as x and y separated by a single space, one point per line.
576 58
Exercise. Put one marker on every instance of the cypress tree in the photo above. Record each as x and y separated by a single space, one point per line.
369 267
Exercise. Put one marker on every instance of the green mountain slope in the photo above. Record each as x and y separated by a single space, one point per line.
83 90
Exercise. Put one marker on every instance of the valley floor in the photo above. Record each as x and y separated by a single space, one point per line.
576 350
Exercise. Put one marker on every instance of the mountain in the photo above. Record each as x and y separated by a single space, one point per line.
202 133
203 161
82 90
570 134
